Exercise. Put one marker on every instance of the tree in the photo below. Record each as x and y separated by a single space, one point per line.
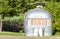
53 8
6 9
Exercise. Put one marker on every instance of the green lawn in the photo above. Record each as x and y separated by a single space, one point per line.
12 33
57 34
19 34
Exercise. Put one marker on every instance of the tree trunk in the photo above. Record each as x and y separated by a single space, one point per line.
1 23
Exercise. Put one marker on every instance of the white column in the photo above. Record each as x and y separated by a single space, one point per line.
47 31
40 31
36 31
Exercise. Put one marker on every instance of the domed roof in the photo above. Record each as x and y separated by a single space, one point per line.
37 13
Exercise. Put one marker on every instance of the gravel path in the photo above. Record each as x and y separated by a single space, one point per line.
22 37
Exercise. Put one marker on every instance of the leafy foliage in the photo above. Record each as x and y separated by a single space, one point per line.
13 24
16 7
54 11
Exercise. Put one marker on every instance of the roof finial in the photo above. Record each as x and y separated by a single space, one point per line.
39 6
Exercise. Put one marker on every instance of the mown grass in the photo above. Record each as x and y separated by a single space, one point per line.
57 34
11 33
22 34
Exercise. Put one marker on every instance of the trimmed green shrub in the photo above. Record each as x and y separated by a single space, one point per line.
14 24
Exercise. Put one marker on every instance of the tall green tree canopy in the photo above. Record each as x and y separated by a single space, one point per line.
15 7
